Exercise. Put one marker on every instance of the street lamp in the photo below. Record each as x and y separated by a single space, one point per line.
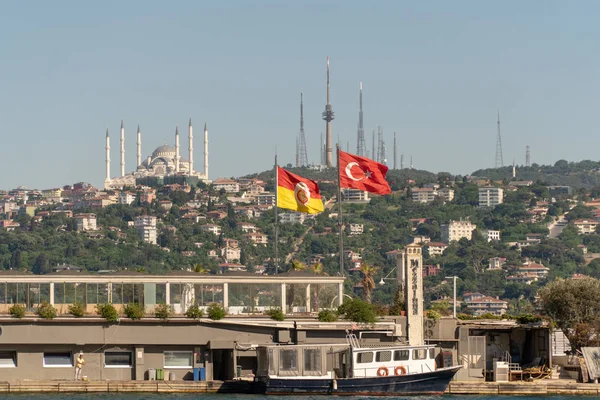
382 281
454 278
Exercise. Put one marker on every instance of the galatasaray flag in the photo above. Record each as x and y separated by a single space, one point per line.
297 193
362 173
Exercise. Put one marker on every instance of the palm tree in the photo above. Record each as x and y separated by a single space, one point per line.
297 265
368 281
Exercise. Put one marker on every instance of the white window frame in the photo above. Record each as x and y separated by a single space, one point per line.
15 360
165 366
117 366
57 366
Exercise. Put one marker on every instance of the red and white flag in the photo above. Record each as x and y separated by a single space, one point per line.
362 173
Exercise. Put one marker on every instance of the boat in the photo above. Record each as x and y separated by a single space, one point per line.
353 368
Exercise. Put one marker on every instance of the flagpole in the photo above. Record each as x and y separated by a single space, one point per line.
276 217
340 220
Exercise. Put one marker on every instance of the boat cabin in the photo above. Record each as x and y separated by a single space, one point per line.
344 361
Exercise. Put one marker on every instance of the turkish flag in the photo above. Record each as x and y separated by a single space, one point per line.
362 173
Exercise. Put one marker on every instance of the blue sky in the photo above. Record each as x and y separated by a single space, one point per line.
434 72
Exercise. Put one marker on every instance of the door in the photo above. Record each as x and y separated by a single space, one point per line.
476 356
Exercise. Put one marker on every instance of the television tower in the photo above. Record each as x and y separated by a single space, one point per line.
361 148
328 116
395 151
527 157
499 161
302 156
373 153
381 156
401 161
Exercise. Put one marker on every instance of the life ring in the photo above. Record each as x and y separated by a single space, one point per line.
400 370
383 371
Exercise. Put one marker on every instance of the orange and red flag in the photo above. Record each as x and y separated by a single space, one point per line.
297 193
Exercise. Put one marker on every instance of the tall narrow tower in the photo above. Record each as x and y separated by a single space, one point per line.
205 151
176 149
527 157
322 150
381 156
395 152
328 116
401 161
374 154
139 147
122 149
302 155
107 148
191 149
499 160
361 147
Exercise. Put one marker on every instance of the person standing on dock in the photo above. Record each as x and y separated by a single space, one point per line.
78 365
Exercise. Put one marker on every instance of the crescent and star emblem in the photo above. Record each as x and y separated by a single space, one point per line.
367 174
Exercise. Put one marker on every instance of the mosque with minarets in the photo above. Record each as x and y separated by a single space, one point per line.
165 165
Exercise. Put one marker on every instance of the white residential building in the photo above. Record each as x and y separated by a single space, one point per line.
229 185
292 217
85 222
231 253
126 198
356 229
266 199
212 228
496 263
446 193
424 195
493 235
355 196
435 249
456 230
145 225
585 226
490 196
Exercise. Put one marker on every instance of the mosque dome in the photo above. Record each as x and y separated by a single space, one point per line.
164 150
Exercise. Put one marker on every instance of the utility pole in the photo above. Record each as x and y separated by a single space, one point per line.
454 278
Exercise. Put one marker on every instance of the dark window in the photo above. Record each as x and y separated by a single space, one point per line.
8 359
419 354
432 353
58 359
118 359
366 357
312 359
401 355
383 356
288 360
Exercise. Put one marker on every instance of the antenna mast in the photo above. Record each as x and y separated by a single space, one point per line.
499 160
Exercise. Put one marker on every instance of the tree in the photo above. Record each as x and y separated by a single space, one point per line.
574 305
368 282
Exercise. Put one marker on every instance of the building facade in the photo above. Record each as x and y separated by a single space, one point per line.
490 196
456 230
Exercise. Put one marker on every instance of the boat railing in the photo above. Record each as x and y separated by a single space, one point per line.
352 340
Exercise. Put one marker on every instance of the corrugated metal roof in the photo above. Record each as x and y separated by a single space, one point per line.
591 356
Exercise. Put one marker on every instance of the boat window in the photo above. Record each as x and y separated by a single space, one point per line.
432 353
312 359
383 356
288 360
401 355
271 361
419 354
366 357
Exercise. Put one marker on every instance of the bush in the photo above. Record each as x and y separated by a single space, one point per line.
216 312
433 315
381 309
76 309
46 310
357 310
134 311
327 316
17 311
489 316
276 314
194 312
466 317
163 311
108 312
528 319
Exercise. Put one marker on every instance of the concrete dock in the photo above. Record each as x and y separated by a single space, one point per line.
539 388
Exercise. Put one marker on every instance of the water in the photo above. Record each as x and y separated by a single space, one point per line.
144 396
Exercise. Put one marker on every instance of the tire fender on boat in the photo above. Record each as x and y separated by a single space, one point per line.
383 371
400 370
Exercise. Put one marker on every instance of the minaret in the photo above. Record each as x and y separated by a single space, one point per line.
122 149
191 149
176 149
139 146
107 180
514 171
205 151
361 147
328 116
